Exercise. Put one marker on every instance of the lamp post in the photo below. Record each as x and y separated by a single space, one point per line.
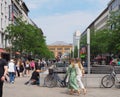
88 49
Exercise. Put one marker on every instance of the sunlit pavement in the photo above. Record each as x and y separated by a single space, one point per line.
18 89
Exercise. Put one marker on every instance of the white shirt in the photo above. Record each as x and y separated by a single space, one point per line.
11 67
78 70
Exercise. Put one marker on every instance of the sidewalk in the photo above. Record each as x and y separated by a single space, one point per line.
18 89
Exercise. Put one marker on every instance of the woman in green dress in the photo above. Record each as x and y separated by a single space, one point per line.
72 85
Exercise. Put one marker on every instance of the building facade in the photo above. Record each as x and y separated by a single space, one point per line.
4 20
60 48
114 5
100 22
9 11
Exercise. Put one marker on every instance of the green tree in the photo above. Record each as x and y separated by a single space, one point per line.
27 38
106 40
114 31
99 42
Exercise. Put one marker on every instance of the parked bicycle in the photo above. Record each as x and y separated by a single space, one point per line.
110 79
53 80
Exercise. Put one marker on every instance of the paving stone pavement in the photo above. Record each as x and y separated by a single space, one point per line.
18 89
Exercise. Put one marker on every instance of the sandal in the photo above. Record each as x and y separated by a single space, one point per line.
71 92
84 91
78 92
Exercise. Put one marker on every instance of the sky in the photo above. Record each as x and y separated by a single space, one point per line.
60 19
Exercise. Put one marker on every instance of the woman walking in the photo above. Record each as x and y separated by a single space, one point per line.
72 85
80 74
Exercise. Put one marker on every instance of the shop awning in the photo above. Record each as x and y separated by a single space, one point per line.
2 50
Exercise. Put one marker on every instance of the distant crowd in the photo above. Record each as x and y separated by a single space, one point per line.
20 68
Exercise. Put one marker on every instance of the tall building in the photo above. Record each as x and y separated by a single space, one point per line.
16 9
4 20
100 22
9 11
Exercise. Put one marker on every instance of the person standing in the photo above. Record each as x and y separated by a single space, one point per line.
3 72
11 70
27 67
21 66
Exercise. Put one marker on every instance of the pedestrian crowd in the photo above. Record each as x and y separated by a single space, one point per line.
20 68
115 62
32 68
10 70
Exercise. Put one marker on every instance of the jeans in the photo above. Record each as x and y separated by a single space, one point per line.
11 76
1 88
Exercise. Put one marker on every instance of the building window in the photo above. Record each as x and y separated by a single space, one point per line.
1 23
2 38
52 48
59 48
66 48
119 7
1 8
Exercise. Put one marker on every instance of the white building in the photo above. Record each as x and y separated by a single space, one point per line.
9 11
4 20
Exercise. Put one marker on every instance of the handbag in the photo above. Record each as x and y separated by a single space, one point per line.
68 77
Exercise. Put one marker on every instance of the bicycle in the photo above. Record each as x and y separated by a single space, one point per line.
53 80
111 79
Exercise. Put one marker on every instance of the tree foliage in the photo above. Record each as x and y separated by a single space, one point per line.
114 26
27 38
106 40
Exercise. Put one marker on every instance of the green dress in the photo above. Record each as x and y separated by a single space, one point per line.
72 78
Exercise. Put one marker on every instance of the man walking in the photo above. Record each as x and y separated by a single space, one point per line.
3 72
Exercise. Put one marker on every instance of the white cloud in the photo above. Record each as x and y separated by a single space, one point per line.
62 26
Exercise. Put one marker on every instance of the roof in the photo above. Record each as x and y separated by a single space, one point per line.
60 43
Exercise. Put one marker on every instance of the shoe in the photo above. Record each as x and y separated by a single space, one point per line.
77 91
12 82
26 83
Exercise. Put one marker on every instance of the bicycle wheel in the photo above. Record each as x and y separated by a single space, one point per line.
108 81
53 83
49 81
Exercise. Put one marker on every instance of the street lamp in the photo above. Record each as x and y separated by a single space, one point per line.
88 49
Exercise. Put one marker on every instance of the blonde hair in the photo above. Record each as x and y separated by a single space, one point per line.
72 62
27 62
79 63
